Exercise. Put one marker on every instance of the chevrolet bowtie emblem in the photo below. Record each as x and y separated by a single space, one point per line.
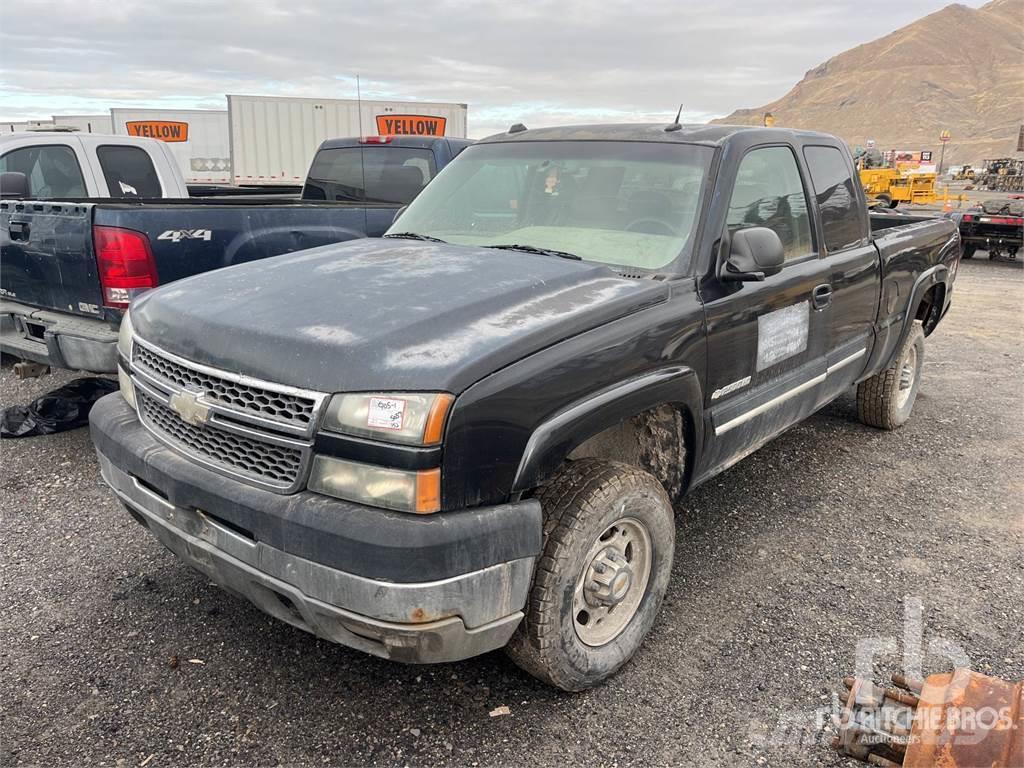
186 404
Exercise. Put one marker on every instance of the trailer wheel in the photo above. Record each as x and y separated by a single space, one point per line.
887 398
609 538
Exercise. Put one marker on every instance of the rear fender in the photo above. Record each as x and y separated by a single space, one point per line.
926 281
254 244
893 330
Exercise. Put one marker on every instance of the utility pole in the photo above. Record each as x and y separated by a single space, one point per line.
944 137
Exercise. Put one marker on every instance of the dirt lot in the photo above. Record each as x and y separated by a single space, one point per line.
113 653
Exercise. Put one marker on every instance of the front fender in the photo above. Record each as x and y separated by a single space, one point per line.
555 438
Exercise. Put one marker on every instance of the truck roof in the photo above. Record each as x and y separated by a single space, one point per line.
687 134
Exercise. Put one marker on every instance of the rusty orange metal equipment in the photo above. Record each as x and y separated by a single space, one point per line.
961 719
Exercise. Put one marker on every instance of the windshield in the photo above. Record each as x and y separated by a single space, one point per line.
630 204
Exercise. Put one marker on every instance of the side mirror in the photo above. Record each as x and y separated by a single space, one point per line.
398 213
13 186
754 254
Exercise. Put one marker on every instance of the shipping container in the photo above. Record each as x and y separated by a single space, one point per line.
25 125
85 123
198 138
273 139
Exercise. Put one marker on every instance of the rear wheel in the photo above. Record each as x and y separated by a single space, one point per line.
609 538
884 200
968 251
887 398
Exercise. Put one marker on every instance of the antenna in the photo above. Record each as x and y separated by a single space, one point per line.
359 104
676 126
362 150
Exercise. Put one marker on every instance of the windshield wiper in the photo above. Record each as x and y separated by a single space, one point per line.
535 249
417 236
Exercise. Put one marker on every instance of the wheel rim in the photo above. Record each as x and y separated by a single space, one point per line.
908 372
613 582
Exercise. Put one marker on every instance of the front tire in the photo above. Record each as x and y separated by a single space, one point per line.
609 539
886 399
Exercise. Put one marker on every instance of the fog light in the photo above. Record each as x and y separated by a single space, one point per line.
401 490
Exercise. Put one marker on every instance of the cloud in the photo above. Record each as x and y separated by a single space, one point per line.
540 62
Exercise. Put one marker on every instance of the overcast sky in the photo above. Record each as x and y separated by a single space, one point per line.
537 62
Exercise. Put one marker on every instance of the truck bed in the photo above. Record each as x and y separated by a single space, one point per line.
51 285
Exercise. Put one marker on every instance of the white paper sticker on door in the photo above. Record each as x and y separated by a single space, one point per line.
782 334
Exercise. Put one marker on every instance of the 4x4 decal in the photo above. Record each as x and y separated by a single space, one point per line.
177 235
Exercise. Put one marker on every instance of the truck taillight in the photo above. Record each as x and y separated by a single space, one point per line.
375 139
968 217
125 263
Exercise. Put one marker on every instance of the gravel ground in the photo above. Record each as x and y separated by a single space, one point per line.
113 653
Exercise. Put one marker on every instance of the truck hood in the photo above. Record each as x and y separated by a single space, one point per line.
386 315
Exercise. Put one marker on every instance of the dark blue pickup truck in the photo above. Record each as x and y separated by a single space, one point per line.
70 266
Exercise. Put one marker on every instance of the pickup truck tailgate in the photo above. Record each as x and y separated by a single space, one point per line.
46 250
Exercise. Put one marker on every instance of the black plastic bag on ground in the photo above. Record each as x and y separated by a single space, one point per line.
64 408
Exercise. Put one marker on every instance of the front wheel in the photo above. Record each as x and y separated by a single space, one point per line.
609 538
887 398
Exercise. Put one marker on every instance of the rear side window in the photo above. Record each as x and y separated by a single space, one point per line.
374 174
52 171
841 218
129 171
769 193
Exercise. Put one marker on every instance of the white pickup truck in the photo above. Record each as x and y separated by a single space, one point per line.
67 165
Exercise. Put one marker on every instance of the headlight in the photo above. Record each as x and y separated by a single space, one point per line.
411 418
396 489
124 337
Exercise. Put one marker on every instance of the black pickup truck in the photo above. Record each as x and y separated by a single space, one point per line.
472 433
71 266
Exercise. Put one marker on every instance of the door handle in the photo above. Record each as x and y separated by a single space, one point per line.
18 230
822 296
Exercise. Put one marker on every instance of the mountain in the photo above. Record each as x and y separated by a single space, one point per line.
959 69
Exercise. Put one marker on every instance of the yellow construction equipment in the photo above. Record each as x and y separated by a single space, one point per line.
964 174
892 186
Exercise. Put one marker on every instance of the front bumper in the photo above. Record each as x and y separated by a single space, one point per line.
416 589
57 339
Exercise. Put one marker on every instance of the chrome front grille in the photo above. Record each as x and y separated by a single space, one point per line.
262 461
252 430
274 405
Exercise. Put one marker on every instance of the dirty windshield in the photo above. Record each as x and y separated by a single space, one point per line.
629 204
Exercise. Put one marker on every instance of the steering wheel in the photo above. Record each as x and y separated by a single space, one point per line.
651 226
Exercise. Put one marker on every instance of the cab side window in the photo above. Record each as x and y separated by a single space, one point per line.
841 219
128 171
52 171
769 193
